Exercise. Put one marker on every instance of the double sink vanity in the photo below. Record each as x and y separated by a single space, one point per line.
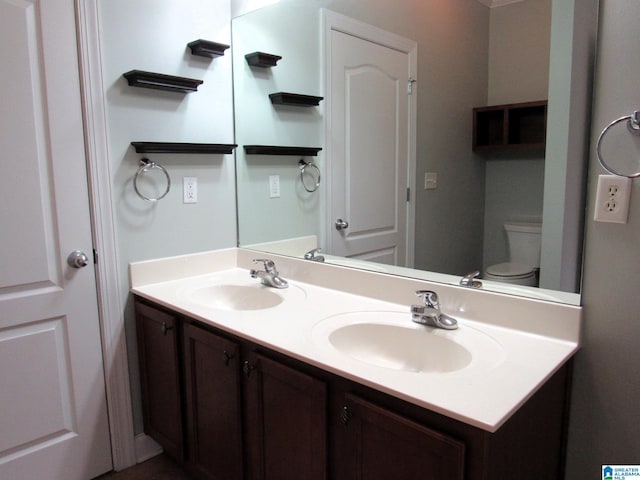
330 378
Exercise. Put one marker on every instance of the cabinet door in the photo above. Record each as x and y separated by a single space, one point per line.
160 378
286 422
213 405
383 445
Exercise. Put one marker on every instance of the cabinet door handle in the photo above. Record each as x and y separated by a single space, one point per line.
166 328
247 368
346 415
227 357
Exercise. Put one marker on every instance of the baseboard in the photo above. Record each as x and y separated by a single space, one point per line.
146 448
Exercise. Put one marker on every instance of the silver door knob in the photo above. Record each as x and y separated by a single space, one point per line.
341 224
77 259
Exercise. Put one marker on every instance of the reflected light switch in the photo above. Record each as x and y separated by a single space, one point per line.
430 180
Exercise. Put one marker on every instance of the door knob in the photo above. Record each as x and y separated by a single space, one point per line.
77 259
341 224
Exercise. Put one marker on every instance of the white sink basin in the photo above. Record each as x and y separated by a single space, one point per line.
391 340
235 297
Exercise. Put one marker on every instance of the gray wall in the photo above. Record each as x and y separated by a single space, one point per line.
519 44
153 36
605 413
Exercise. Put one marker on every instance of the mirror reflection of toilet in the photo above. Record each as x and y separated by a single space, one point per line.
524 241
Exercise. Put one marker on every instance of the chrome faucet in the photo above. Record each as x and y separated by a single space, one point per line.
269 276
468 280
311 255
430 314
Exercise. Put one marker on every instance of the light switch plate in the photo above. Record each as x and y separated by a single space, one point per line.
274 186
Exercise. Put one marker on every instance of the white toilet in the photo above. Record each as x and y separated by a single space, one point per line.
524 255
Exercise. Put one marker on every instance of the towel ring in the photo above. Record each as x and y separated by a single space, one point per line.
633 125
303 165
145 166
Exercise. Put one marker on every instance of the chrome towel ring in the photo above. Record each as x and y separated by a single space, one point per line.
145 166
303 166
633 126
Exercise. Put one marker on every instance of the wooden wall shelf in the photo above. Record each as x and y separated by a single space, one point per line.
512 126
160 81
179 147
262 60
295 99
278 150
206 48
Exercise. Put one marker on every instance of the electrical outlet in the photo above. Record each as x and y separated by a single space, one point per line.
189 189
274 186
612 199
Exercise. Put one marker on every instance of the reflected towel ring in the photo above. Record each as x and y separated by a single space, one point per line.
633 126
303 165
145 166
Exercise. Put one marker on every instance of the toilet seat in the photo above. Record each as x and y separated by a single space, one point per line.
514 273
510 270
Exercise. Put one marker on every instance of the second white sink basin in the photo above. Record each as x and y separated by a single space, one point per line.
391 340
400 348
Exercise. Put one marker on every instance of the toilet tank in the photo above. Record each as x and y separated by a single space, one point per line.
524 242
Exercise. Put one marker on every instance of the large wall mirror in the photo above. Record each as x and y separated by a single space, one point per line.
459 55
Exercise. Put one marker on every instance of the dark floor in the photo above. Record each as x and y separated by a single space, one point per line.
157 468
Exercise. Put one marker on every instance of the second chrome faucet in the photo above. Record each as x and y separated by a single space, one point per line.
429 313
269 276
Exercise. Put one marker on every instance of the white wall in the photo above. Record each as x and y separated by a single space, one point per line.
153 36
605 415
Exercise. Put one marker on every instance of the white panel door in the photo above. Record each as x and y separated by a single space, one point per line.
369 150
53 416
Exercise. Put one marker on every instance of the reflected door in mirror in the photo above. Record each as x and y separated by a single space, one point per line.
369 149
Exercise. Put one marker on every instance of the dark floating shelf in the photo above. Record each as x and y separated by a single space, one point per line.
276 150
296 99
177 147
206 48
262 60
159 81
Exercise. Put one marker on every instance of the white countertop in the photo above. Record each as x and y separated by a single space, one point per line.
528 340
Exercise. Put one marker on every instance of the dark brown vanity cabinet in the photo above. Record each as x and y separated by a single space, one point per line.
245 415
234 410
213 403
386 445
286 422
158 353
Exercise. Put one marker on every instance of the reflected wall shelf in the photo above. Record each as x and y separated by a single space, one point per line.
206 48
160 81
262 60
513 126
295 99
278 150
180 147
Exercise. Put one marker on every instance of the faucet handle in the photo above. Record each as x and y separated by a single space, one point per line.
468 280
430 298
311 255
269 266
